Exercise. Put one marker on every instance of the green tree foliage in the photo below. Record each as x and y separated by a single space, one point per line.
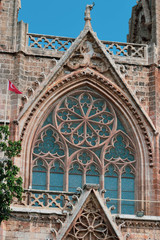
10 183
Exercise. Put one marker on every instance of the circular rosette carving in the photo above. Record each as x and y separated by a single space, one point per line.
90 225
49 144
85 119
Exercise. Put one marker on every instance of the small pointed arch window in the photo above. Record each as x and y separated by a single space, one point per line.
87 164
111 186
75 177
128 190
92 175
56 177
39 176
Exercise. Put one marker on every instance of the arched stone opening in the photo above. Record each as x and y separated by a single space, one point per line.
134 140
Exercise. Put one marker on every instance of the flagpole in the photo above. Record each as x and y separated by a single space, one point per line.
5 112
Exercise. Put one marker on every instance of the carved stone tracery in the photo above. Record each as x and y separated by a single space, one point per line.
84 120
91 224
84 135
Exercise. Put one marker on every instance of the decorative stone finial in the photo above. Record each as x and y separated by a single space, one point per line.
19 4
87 13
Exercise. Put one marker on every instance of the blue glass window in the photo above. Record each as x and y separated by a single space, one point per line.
56 178
85 131
49 144
128 189
39 176
111 187
92 175
119 150
75 178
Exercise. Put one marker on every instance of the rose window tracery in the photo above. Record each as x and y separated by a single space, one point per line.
86 134
85 119
90 225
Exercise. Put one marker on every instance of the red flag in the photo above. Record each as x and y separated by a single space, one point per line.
12 88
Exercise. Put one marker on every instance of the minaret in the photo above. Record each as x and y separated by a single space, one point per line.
8 24
144 25
144 28
140 24
156 24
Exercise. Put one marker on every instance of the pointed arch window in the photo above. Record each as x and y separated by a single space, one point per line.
111 186
56 177
92 175
127 190
85 139
39 176
121 154
75 177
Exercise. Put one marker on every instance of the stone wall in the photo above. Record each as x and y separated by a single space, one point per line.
8 24
24 226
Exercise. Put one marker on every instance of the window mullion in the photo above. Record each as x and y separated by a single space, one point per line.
119 194
84 177
48 178
66 180
102 179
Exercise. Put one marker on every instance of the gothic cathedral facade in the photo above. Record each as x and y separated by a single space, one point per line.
89 124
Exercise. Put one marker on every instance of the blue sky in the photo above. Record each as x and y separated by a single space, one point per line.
66 17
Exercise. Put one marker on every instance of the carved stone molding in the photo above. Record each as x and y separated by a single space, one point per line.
141 224
36 217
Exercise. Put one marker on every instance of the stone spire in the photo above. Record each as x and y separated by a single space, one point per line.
87 14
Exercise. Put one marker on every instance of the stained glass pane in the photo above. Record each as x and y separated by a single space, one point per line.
92 176
75 178
119 150
111 187
48 120
39 177
84 157
128 207
49 144
120 126
56 178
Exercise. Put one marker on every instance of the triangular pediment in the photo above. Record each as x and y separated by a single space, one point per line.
89 54
90 219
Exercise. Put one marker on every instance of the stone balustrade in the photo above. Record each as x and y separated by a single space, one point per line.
49 42
47 199
126 52
126 49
